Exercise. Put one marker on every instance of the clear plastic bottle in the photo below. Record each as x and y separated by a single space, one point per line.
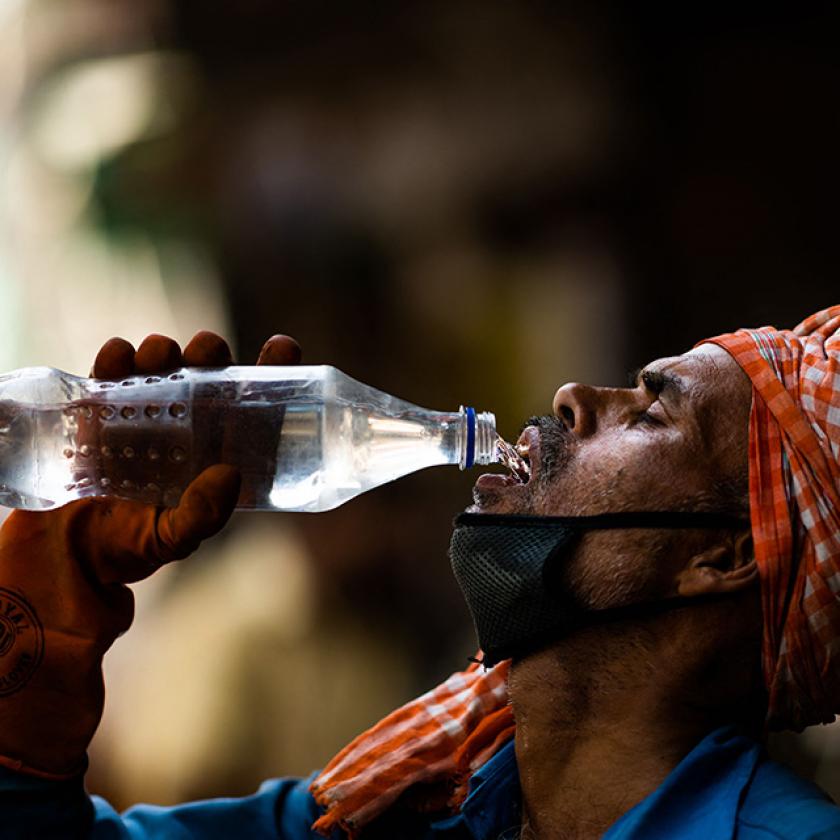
305 438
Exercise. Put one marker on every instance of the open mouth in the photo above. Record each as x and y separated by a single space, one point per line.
520 460
516 459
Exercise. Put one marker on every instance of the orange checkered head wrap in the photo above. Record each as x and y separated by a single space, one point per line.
794 456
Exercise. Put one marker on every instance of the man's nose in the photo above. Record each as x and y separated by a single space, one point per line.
577 406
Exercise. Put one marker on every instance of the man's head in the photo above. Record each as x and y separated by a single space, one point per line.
684 439
676 440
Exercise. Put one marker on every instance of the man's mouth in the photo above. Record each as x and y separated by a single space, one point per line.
516 459
521 461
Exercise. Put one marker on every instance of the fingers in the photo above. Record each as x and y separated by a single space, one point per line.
114 360
156 354
280 350
117 357
206 349
124 541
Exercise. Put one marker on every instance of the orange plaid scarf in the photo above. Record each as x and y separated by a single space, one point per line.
438 740
795 510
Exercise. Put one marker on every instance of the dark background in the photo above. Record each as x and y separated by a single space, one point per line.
711 173
463 202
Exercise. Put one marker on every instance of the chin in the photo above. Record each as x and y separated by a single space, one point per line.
492 495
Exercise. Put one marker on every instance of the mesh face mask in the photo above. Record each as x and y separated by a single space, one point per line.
508 567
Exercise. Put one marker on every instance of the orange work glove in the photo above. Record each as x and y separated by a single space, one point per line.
63 576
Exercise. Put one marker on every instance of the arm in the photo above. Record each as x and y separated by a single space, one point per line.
63 587
282 809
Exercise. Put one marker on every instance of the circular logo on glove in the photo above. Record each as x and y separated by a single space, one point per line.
21 641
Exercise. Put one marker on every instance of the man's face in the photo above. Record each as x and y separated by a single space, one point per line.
676 441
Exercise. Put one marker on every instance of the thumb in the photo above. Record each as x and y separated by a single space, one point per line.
204 509
125 541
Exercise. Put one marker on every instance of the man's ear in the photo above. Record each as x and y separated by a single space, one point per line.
727 567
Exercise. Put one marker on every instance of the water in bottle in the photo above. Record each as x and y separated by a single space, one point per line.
305 438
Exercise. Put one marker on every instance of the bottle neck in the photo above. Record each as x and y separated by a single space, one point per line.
478 438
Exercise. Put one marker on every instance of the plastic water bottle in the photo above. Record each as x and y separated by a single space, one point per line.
304 438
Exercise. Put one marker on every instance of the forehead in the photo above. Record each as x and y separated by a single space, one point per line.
707 374
715 402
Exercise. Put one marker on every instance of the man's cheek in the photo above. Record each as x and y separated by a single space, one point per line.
608 482
604 573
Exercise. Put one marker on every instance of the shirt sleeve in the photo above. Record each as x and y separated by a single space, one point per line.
282 809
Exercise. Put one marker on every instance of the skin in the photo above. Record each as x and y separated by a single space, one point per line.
605 713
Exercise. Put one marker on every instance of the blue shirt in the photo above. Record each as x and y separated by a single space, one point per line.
726 787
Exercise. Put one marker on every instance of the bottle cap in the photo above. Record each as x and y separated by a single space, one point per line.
479 442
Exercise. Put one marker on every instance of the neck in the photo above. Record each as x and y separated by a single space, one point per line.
603 716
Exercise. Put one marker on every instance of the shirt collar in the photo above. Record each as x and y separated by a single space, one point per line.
492 806
700 797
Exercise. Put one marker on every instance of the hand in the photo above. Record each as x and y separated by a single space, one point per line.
63 576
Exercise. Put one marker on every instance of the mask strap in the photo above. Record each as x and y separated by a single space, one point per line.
608 521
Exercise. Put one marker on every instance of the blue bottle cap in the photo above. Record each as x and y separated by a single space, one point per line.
469 460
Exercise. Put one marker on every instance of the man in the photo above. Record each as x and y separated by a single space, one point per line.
663 584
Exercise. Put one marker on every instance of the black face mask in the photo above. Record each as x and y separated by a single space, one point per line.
509 568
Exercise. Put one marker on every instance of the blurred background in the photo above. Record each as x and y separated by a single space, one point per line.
463 202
